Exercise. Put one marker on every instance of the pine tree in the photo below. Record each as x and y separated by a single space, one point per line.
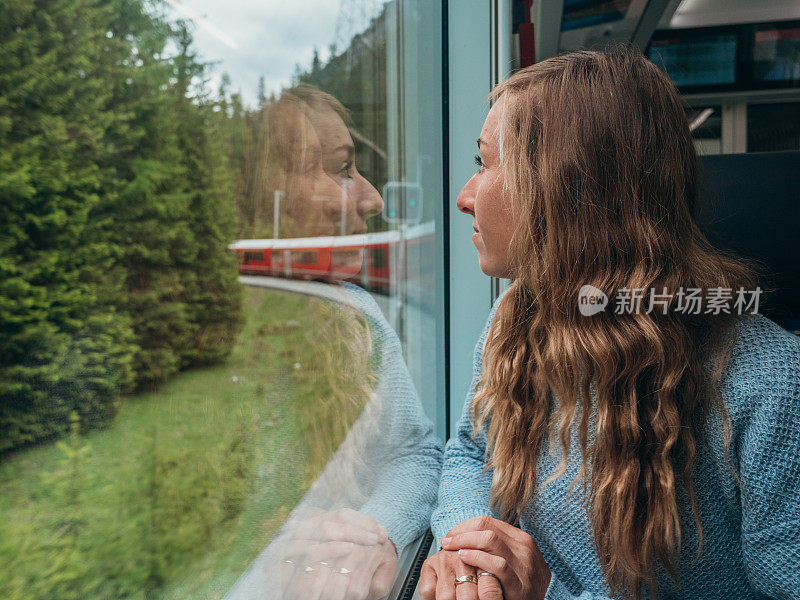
115 213
147 206
262 93
213 295
63 345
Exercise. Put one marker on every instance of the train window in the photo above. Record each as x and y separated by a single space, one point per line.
343 257
584 14
727 58
307 257
773 126
776 53
251 257
377 258
171 427
697 60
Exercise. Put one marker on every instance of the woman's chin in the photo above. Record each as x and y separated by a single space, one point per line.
486 264
489 271
492 268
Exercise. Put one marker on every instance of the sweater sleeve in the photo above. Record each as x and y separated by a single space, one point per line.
464 488
769 465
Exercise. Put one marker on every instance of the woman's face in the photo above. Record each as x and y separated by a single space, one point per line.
485 198
326 195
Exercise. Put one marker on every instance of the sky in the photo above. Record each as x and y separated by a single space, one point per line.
251 38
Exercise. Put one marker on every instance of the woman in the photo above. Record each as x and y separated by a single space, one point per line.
642 453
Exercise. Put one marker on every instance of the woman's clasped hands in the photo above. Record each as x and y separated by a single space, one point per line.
485 559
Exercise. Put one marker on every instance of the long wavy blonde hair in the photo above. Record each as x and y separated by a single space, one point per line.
602 177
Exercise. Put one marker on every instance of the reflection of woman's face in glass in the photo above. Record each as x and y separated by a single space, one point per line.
324 192
338 158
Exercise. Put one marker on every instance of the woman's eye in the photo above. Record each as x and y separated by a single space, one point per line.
478 161
345 170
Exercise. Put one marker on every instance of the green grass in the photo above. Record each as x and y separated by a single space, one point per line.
188 484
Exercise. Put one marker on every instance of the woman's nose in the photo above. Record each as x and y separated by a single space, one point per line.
466 198
368 200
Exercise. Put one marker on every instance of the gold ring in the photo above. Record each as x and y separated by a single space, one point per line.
466 579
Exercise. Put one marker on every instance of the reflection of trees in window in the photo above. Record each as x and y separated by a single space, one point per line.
357 78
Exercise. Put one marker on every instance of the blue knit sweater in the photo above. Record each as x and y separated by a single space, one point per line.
751 546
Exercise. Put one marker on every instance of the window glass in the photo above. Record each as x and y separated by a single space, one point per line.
305 257
250 257
697 60
221 295
773 126
580 13
746 56
377 258
776 53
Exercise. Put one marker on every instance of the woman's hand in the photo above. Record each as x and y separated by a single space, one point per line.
338 555
343 525
437 580
504 550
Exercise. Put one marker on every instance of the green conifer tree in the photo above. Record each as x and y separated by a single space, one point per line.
63 344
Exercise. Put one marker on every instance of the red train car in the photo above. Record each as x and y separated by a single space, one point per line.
370 260
365 258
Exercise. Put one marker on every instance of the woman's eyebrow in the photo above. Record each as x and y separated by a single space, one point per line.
348 148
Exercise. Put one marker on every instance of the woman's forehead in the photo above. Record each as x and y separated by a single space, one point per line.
330 127
490 133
